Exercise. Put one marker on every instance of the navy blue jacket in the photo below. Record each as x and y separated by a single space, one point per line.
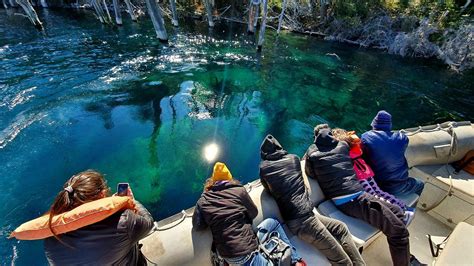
384 151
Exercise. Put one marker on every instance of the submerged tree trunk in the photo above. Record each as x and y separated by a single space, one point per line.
130 10
280 19
4 4
209 13
261 34
30 13
157 20
118 15
174 19
13 3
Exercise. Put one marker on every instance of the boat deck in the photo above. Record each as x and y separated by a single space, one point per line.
423 224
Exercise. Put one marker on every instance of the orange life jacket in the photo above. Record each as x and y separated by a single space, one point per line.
83 215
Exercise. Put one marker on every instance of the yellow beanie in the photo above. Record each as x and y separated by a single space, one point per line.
221 172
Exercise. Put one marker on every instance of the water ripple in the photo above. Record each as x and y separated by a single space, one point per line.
20 122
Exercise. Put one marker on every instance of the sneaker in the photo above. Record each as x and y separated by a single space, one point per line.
415 262
300 262
409 215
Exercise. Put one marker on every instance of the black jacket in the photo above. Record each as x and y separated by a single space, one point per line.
328 161
228 210
113 241
280 174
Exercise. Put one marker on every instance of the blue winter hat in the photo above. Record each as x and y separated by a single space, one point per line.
382 121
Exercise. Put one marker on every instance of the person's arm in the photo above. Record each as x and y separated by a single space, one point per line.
198 220
308 168
264 182
405 140
139 223
249 205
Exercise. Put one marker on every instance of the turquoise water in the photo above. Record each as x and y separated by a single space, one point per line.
83 95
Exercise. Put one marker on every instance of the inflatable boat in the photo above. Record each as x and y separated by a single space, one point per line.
444 208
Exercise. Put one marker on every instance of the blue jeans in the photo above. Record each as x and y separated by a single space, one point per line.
258 260
413 185
270 225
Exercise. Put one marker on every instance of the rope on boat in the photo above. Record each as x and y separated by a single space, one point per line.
184 215
453 150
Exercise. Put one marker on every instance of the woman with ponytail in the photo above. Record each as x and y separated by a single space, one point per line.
112 241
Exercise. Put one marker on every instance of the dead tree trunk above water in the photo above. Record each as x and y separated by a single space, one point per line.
174 13
253 16
99 11
157 20
209 12
118 15
31 13
130 10
261 34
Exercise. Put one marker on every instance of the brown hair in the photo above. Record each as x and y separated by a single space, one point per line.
81 188
209 183
343 135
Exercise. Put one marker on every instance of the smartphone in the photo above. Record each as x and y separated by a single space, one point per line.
122 189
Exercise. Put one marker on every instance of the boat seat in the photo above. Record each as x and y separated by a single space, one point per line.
362 232
409 199
266 205
459 249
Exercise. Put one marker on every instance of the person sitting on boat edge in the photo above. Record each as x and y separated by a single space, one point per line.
280 174
384 151
226 207
328 161
364 173
112 241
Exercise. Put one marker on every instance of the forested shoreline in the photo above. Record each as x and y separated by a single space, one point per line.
440 29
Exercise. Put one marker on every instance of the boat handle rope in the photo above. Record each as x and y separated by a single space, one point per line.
422 129
183 217
452 150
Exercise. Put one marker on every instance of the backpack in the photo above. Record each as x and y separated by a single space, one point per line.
216 260
362 169
466 163
276 250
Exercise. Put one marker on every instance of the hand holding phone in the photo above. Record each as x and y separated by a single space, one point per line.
122 189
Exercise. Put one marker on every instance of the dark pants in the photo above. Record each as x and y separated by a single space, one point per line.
329 236
413 185
386 217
